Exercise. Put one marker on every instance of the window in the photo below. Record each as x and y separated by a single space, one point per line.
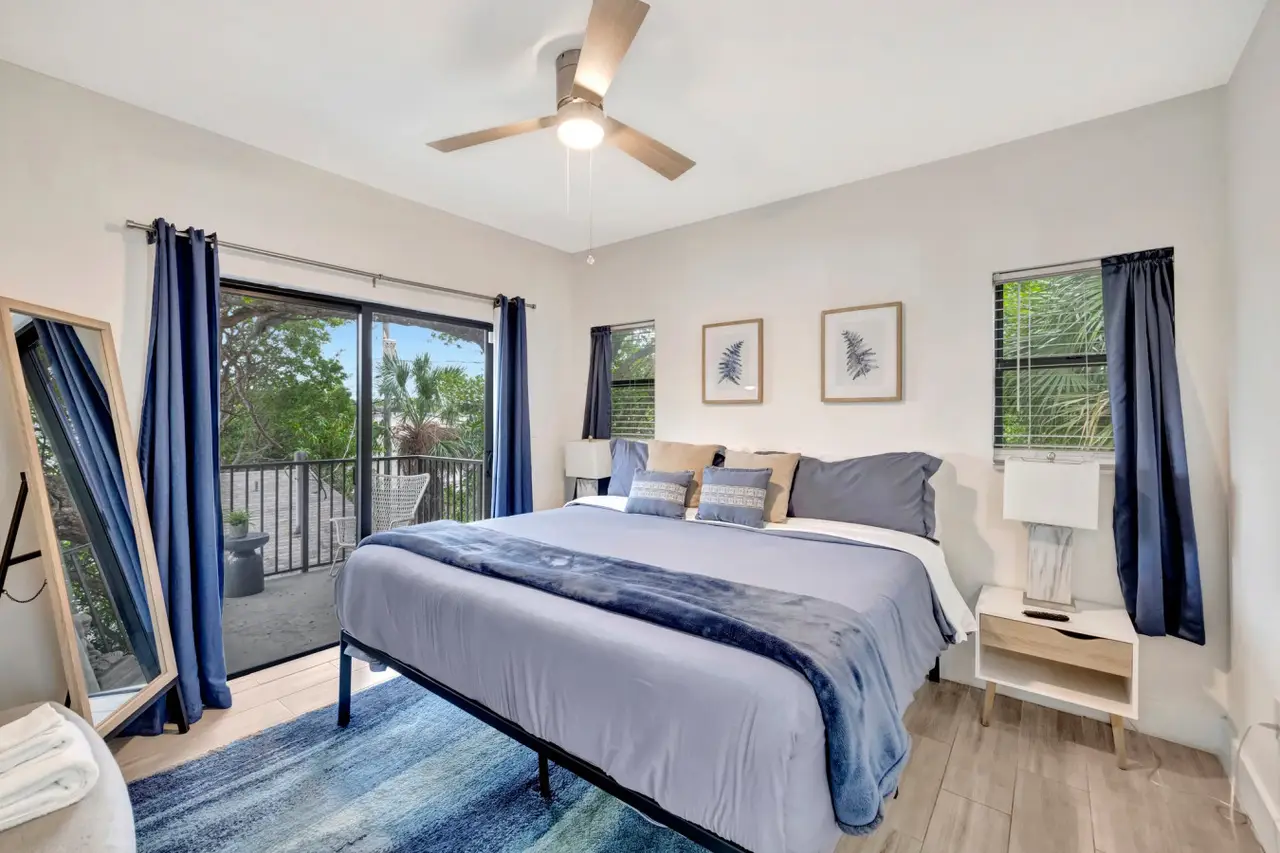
1051 363
631 384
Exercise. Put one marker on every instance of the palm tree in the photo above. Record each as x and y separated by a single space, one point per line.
1046 318
424 418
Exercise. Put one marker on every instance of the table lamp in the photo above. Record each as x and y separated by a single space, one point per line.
589 461
1054 498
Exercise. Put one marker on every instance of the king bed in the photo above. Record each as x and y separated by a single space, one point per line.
726 746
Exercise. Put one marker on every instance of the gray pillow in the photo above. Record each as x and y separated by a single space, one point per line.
734 495
628 458
889 490
659 493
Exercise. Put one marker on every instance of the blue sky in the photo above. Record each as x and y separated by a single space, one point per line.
410 341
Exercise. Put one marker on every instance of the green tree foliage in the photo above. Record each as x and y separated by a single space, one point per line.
428 406
1064 405
280 393
632 369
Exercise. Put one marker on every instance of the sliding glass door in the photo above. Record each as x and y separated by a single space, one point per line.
338 418
430 418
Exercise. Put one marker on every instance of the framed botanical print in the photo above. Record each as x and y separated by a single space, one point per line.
862 354
733 362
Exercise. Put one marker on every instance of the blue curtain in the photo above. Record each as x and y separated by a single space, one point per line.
1154 531
86 418
178 454
512 465
598 416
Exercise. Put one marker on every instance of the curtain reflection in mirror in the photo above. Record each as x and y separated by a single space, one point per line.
76 439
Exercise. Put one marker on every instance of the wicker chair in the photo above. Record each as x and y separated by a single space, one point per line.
395 503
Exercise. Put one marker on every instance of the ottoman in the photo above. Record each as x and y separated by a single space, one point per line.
102 822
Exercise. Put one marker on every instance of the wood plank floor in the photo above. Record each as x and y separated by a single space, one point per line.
1035 781
260 701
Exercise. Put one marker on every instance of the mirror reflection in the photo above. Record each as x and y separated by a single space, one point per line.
76 438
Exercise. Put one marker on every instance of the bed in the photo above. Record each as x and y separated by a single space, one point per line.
725 746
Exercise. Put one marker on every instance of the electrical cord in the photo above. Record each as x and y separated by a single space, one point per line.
1227 810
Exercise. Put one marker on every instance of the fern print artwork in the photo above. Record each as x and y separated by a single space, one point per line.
730 365
732 362
862 354
859 357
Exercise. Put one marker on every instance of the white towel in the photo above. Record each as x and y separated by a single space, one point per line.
42 731
50 782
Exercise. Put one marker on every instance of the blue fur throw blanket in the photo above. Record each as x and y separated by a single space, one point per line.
829 644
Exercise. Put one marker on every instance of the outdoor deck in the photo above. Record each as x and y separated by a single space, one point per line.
292 615
293 503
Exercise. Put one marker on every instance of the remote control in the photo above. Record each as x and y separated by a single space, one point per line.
1047 614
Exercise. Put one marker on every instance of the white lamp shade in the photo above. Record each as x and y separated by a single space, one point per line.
588 459
1064 494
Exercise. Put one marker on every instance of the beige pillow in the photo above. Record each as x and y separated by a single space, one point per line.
674 456
783 466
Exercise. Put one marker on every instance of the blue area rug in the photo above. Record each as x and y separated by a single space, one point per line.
411 773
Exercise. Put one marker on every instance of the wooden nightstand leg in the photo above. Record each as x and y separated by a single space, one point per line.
988 702
1117 732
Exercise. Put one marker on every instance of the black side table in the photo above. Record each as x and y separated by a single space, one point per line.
243 574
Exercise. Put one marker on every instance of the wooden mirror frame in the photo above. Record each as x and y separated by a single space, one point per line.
49 549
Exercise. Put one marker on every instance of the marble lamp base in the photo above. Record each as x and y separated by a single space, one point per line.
1049 567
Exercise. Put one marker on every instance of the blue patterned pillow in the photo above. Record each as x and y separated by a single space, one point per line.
659 493
734 495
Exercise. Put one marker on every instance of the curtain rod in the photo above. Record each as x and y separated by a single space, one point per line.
1083 263
324 265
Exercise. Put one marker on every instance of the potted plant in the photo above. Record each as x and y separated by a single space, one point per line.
238 523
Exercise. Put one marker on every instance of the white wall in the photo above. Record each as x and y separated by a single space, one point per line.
74 165
931 237
1253 158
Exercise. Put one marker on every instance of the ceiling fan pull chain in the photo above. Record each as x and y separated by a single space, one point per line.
591 206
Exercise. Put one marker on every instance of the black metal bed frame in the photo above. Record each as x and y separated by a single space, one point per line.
546 750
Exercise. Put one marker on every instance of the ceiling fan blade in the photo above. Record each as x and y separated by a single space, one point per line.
665 161
611 27
479 137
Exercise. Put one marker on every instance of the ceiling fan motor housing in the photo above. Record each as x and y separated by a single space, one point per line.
566 68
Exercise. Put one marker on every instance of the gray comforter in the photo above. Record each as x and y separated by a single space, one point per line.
722 737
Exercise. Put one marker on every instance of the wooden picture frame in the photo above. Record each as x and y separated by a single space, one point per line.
38 511
861 354
737 374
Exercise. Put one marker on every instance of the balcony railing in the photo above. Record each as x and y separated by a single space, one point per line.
294 501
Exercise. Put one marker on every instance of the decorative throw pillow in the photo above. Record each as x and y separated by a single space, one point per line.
734 495
659 493
888 490
783 466
674 456
628 458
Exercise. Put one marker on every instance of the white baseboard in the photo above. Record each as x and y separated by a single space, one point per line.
1256 802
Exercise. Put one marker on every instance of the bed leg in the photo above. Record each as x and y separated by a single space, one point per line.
344 684
935 674
544 777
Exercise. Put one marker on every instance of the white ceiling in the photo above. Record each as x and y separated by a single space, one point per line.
772 99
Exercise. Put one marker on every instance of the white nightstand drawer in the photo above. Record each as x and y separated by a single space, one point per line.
1049 643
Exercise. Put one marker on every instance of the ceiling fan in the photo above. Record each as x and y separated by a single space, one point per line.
582 78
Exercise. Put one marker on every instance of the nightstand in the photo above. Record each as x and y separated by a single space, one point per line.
1091 661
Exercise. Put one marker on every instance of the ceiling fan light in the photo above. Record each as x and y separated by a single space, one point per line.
580 134
581 125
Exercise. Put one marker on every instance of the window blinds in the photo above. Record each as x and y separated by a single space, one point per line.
632 385
1051 363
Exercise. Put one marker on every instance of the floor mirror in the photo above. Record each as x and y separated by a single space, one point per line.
86 498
